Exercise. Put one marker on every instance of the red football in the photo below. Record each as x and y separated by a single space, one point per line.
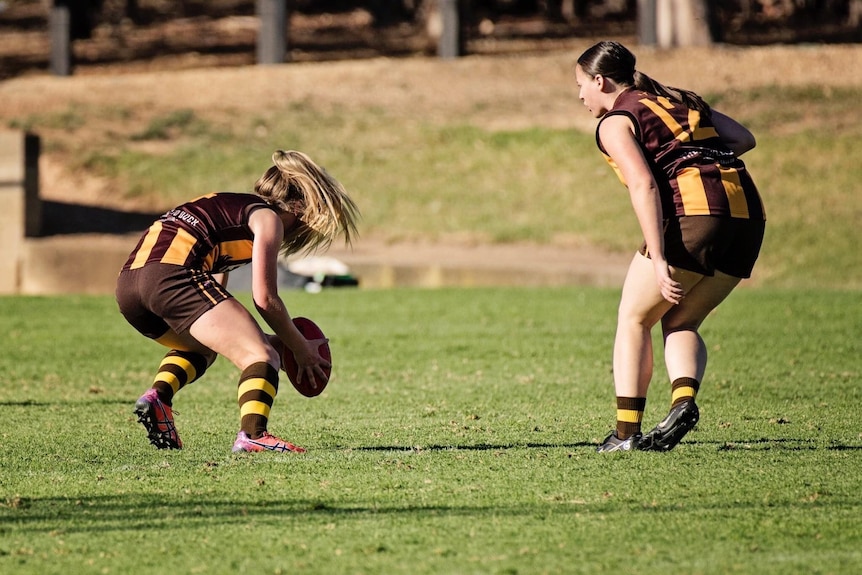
310 330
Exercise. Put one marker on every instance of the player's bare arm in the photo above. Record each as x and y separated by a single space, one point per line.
268 230
735 136
617 135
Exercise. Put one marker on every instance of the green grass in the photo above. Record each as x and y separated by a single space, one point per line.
457 436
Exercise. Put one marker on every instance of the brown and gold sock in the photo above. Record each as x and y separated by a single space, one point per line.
258 386
630 412
683 389
177 370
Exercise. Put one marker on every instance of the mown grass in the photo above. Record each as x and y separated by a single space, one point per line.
457 436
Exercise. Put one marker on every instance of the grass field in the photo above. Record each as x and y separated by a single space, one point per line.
457 436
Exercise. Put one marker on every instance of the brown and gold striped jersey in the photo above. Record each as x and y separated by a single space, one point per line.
696 172
209 233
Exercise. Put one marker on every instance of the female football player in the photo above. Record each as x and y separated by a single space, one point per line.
172 289
702 221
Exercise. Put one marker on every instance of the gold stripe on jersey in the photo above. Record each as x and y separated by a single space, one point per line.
147 246
229 252
700 132
236 250
696 130
735 193
180 248
693 192
675 127
616 169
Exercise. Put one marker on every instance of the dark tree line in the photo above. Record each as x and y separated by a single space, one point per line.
720 14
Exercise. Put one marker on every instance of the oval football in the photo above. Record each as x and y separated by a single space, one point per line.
309 330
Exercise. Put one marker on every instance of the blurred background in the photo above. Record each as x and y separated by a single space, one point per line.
192 33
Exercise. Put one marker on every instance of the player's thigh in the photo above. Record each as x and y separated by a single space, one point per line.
231 331
699 301
641 299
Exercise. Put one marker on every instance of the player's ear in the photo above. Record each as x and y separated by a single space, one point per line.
600 81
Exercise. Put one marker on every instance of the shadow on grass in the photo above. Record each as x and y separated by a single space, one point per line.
784 444
476 447
69 402
761 444
139 512
131 512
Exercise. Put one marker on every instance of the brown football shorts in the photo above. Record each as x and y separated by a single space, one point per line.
159 297
703 244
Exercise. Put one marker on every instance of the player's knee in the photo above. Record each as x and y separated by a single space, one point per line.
264 353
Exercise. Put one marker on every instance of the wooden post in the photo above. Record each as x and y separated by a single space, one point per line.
272 31
60 30
691 25
664 26
450 44
854 13
32 201
647 22
682 23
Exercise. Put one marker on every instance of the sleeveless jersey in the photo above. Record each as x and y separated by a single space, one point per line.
697 174
209 233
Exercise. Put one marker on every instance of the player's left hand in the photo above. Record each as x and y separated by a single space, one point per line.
671 290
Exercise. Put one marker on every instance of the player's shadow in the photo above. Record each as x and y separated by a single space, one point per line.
778 444
760 444
59 218
475 447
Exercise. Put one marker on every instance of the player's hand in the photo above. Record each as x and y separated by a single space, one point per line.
671 290
311 364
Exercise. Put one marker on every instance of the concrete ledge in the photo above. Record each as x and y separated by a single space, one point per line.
387 275
86 264
89 264
381 265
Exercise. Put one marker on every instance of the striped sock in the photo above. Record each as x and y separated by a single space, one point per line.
630 412
177 370
258 386
683 389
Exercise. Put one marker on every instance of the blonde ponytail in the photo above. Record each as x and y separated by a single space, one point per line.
297 185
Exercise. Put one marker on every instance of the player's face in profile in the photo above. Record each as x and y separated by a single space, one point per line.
589 92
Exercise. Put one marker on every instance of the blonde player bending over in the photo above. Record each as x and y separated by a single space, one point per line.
173 290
